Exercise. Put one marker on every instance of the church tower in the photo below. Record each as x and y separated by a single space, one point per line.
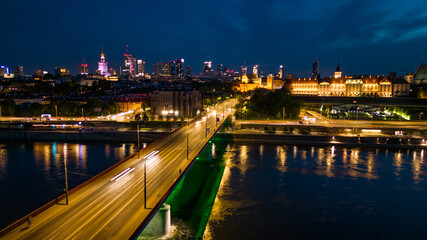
338 72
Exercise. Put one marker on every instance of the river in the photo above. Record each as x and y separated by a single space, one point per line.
274 191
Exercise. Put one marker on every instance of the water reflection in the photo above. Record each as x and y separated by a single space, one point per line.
298 185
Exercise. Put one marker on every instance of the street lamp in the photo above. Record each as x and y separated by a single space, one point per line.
357 113
188 118
56 111
421 113
137 132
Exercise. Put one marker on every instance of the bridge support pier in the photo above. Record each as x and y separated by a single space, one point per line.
160 224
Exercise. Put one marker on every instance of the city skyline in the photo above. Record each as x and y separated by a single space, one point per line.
367 37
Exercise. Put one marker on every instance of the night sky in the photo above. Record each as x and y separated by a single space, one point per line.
368 37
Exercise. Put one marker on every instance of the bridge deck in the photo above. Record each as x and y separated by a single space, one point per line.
111 206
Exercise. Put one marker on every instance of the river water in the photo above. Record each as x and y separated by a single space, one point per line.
32 174
274 191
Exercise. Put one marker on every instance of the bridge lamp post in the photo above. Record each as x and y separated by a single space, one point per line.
421 113
188 119
137 132
357 113
66 181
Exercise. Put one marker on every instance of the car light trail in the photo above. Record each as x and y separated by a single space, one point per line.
151 154
125 174
120 174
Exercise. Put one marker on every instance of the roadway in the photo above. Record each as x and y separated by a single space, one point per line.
112 206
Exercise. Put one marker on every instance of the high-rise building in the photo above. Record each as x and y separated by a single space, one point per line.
220 68
244 70
180 67
19 71
281 72
172 66
207 66
315 71
102 65
157 68
188 74
255 69
38 72
130 64
166 70
338 72
141 68
83 69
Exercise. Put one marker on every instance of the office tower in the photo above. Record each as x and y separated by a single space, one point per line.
130 64
219 68
180 67
83 69
172 66
141 68
188 74
157 68
281 72
102 65
244 70
315 72
207 66
255 69
338 72
19 71
166 70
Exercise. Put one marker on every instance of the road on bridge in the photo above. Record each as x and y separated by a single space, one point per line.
112 206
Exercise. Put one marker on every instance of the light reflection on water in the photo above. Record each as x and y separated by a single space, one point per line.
272 191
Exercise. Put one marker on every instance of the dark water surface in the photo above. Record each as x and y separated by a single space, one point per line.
32 174
294 192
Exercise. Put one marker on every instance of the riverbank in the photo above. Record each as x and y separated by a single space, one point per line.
322 140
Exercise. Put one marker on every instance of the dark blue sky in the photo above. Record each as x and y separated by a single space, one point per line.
369 37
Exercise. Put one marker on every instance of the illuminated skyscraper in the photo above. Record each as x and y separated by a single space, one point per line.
207 66
180 67
188 74
130 65
315 72
103 65
141 68
172 65
281 72
255 69
19 71
83 69
219 68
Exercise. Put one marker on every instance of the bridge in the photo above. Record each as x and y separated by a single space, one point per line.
119 202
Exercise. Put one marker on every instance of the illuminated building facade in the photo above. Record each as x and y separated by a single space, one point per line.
207 66
180 67
61 71
83 69
255 70
102 66
141 68
188 73
365 86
